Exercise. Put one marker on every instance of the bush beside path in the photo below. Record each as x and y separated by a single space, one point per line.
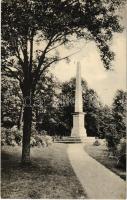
102 155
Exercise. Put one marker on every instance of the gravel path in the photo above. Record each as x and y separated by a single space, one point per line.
98 181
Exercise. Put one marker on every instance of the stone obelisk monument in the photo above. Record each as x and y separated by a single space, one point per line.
78 129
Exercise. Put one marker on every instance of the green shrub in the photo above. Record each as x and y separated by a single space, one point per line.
111 141
111 136
33 131
32 142
18 137
41 140
48 139
43 132
121 153
3 136
13 137
117 148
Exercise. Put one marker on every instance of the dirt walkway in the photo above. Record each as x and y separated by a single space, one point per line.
97 180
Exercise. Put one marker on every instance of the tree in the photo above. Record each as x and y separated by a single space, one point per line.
119 112
105 121
115 128
112 121
32 31
92 106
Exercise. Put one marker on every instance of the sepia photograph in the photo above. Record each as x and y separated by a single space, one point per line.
63 99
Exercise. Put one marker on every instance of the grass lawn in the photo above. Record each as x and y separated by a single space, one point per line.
49 176
100 153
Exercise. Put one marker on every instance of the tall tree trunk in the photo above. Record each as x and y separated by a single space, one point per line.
28 98
27 119
20 121
27 122
36 117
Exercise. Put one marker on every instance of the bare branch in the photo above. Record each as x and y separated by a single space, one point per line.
56 46
21 62
42 57
18 55
31 53
53 39
43 54
56 60
49 64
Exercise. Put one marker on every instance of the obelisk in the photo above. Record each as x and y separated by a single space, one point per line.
78 129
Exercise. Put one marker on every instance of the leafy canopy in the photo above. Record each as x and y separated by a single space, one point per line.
32 30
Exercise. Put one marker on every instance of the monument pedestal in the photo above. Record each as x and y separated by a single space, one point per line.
78 130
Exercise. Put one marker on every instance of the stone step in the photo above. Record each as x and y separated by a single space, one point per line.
68 140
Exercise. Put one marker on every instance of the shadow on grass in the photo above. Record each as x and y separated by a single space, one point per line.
50 174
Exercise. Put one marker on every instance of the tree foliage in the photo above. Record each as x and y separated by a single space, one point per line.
11 101
46 100
113 127
30 21
119 112
92 106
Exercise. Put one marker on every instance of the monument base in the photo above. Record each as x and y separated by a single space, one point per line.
78 129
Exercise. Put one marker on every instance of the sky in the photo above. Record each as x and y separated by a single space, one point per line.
104 82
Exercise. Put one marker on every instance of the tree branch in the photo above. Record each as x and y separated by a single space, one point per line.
18 55
42 57
56 46
56 60
31 50
53 39
21 62
12 73
49 64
